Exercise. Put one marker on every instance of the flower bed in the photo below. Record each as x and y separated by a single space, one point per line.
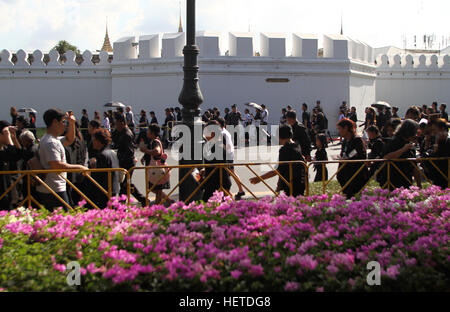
319 243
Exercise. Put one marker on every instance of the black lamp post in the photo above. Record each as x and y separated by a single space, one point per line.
190 98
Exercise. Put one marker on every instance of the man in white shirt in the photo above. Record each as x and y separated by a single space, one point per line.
230 157
53 157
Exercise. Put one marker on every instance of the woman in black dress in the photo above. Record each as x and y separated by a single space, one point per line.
143 124
155 151
376 146
321 155
401 147
353 148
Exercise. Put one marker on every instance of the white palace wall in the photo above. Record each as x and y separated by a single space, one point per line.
408 80
147 73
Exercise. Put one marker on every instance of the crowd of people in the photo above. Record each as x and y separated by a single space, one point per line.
111 142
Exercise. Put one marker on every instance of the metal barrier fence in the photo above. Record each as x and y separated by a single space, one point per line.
34 178
383 165
217 171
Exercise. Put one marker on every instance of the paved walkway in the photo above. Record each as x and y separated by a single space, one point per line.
252 155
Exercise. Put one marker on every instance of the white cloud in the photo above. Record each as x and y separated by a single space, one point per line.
32 24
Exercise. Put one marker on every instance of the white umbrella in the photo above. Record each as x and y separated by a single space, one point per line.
381 104
254 105
27 110
115 104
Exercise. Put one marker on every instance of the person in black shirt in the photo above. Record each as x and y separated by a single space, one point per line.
376 146
179 117
300 134
395 112
391 127
154 151
28 151
400 147
14 115
283 120
167 128
153 119
353 116
32 123
371 118
143 124
104 158
441 149
353 148
21 125
290 151
413 113
227 116
93 126
122 138
444 114
8 153
320 122
381 120
321 155
306 116
235 116
76 155
84 124
215 139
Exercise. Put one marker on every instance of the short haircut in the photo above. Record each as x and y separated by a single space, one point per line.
291 114
103 136
394 123
285 132
94 124
51 115
155 129
84 111
444 106
374 129
413 110
120 118
27 135
323 139
21 119
407 129
305 105
152 113
4 124
347 123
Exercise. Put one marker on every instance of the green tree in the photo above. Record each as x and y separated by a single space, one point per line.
63 46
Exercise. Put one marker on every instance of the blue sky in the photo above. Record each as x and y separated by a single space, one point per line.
39 24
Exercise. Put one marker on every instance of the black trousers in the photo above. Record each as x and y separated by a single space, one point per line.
134 191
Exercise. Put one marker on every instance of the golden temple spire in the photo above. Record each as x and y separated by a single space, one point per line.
107 44
180 27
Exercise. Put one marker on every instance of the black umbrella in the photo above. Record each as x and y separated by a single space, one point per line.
381 104
27 110
115 104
